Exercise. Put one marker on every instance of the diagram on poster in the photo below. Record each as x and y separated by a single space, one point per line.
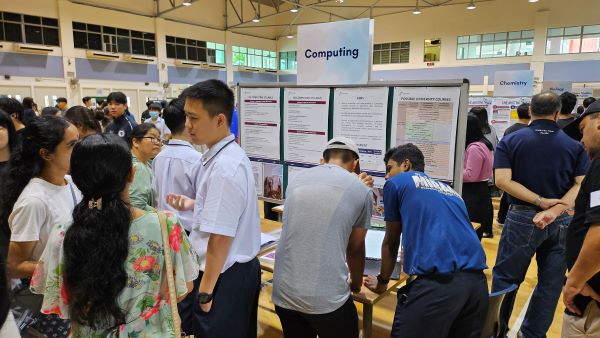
273 181
428 118
306 122
260 120
257 170
378 207
504 113
361 115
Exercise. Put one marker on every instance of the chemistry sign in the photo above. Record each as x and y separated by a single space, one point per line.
335 53
513 83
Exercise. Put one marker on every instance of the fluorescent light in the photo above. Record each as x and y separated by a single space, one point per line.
187 2
290 36
471 5
256 18
533 0
416 11
295 9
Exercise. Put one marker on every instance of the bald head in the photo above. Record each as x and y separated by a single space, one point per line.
545 105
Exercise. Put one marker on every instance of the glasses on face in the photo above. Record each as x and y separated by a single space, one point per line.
152 139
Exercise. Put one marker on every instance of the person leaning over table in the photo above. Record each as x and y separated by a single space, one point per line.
449 298
325 220
582 314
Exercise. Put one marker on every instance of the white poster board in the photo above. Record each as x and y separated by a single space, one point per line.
428 118
305 124
557 87
335 53
259 121
504 113
361 115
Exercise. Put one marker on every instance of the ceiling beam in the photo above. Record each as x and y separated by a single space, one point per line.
312 6
174 8
235 10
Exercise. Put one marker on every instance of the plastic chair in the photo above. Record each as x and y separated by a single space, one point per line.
492 320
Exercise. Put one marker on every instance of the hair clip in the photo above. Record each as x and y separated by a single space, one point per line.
97 204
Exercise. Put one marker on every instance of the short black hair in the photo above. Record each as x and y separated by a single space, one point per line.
82 117
344 154
28 102
588 101
12 106
568 100
545 104
523 111
118 97
148 103
86 99
61 99
6 122
174 116
155 106
52 111
409 152
216 97
140 131
580 110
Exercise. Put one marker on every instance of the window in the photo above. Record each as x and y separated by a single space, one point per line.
287 60
114 40
252 57
433 49
29 29
492 45
394 52
195 50
575 39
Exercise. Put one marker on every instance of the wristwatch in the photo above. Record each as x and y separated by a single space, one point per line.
205 298
382 281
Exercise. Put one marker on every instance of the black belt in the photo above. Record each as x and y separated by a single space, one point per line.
518 207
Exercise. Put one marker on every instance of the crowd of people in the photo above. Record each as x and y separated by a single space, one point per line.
89 205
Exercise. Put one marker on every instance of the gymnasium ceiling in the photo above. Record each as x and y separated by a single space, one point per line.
276 19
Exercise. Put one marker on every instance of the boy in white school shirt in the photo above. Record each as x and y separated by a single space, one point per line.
226 232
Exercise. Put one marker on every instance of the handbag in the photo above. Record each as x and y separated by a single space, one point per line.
170 279
25 306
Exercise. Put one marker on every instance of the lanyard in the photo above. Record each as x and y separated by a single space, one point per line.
217 153
73 194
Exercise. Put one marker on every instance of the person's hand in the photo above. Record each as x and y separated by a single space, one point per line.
543 218
570 291
206 307
366 179
547 203
372 284
180 202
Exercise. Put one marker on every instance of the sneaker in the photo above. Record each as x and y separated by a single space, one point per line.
488 235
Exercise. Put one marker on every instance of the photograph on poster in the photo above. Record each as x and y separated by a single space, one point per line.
273 181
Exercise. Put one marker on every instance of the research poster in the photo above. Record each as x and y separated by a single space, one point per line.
378 206
257 170
260 120
306 122
361 115
428 118
504 113
483 102
294 170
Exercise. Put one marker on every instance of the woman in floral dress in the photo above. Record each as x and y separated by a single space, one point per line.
106 271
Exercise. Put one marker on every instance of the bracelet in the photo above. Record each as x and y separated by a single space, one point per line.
538 201
382 280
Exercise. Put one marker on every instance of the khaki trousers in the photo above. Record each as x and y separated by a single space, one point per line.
583 327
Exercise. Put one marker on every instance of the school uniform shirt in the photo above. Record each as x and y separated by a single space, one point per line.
587 213
437 236
176 170
141 194
122 126
40 208
160 125
226 203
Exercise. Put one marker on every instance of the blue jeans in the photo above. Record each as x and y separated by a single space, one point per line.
520 240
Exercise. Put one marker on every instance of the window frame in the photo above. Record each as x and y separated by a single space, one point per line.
42 25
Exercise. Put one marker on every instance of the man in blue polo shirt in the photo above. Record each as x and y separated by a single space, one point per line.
541 169
449 298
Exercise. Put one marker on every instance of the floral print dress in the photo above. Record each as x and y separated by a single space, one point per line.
145 299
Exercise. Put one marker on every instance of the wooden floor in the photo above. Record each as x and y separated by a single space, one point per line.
383 314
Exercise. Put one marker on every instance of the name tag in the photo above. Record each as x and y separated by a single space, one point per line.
595 199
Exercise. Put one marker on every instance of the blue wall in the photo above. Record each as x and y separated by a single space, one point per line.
116 70
17 64
251 77
475 74
193 75
288 78
574 71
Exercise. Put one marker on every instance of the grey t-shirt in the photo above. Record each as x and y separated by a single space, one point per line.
322 206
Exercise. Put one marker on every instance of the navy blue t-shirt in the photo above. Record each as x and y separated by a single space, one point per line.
543 159
437 236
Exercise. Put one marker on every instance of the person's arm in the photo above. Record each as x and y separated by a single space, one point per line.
355 256
473 164
515 189
586 266
543 218
216 255
19 261
180 202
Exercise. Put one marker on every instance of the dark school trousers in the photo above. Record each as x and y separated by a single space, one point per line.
234 311
442 306
342 322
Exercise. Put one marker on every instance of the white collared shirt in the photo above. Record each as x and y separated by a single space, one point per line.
226 203
176 170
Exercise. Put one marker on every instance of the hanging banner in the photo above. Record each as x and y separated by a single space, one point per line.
513 83
335 53
557 87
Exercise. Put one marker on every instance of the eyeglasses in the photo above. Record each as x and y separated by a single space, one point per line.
152 139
